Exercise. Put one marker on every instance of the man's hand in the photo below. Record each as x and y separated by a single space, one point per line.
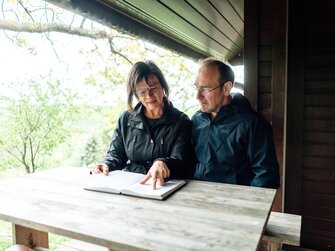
100 168
158 172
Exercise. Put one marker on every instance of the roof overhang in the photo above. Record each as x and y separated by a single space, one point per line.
197 29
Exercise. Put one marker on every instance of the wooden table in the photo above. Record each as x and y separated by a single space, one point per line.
200 216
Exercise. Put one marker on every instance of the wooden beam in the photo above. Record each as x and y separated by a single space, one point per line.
295 107
251 29
30 237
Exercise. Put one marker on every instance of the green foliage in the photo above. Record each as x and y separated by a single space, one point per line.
5 234
35 116
90 154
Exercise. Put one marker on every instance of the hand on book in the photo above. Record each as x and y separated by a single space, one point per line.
158 172
100 168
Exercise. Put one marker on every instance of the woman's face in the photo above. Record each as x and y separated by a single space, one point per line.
150 94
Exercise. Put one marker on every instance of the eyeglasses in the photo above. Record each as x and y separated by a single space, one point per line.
143 92
205 90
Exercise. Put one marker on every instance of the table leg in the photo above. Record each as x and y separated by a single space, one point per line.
30 237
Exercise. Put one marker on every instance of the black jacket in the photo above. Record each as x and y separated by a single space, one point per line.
135 146
235 147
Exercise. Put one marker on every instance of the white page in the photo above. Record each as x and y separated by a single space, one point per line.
113 182
145 190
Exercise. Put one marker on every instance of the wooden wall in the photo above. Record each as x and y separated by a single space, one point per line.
265 68
290 79
310 161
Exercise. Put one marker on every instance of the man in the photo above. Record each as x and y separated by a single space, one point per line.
233 143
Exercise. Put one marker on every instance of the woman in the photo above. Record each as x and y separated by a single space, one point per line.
154 138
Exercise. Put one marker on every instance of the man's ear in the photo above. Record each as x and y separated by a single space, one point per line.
227 88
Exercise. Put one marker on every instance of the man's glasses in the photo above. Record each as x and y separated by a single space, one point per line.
204 90
143 92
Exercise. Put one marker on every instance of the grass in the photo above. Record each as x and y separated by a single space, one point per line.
6 237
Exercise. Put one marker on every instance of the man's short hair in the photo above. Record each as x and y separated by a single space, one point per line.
225 72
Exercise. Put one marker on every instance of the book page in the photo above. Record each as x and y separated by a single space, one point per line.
146 191
114 182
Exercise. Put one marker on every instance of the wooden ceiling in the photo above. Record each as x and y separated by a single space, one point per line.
195 28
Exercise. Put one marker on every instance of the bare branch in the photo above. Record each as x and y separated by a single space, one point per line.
26 10
52 27
116 52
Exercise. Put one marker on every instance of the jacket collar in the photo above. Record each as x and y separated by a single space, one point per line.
167 117
239 104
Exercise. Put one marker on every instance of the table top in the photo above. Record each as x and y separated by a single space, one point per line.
200 216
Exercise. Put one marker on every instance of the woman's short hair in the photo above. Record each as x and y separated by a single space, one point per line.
142 70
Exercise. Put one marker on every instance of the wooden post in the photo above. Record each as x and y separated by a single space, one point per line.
30 237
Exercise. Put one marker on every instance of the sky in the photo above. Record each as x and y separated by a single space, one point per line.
17 65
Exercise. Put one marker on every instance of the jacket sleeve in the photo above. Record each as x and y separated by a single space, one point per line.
262 154
116 157
181 161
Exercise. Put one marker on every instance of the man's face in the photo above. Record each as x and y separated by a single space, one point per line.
211 94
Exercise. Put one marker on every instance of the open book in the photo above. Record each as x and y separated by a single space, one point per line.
128 183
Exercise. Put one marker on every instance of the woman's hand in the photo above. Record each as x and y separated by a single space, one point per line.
100 168
158 172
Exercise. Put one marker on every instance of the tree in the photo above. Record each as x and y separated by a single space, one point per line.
90 154
35 122
107 55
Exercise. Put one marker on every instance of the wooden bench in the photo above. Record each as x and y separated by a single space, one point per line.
282 228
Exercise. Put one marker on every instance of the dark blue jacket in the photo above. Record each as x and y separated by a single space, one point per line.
235 147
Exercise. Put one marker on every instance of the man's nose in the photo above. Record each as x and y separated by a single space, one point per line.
199 95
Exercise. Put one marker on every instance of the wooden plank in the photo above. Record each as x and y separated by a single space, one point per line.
225 13
322 200
319 112
319 138
266 6
238 6
320 87
265 69
319 150
264 101
279 77
320 59
29 237
318 162
319 175
265 37
265 85
318 211
283 228
225 33
266 21
251 29
294 106
320 73
319 125
325 99
318 187
318 226
317 242
175 23
265 53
